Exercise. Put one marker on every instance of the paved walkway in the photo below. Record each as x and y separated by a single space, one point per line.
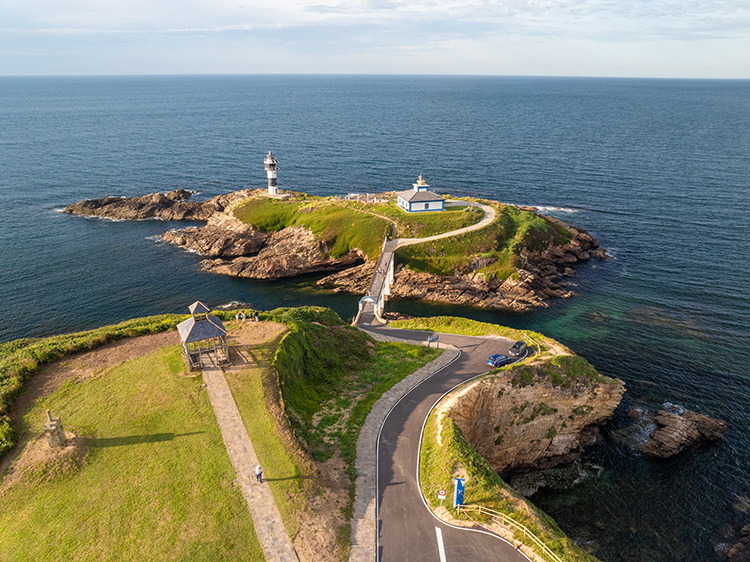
268 525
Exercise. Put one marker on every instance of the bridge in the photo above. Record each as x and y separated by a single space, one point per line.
373 303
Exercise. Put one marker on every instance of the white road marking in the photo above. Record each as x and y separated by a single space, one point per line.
441 548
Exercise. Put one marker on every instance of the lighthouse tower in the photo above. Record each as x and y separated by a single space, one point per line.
421 185
272 165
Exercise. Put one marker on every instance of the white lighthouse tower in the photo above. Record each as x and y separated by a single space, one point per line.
272 164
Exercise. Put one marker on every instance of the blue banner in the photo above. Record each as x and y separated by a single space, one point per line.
458 493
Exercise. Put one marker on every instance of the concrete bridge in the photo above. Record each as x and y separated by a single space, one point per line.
372 305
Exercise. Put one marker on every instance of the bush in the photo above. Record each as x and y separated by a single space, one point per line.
7 435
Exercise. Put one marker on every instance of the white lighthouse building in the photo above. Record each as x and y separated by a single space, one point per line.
272 164
420 198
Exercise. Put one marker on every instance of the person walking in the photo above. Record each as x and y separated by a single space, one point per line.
259 474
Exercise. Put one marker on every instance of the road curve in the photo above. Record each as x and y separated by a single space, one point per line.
406 527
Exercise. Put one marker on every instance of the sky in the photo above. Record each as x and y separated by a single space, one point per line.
630 38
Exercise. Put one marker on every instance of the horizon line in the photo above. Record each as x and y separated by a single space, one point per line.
369 74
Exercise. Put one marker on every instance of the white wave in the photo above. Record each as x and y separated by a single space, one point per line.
98 218
548 209
673 408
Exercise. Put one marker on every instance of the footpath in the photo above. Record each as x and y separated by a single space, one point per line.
268 525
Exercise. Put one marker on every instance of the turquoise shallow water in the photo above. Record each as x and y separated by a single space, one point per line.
656 170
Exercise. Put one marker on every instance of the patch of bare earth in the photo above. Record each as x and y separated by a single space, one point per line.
321 520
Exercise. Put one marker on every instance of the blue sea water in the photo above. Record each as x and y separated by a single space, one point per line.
657 170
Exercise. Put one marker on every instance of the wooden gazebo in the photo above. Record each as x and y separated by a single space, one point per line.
203 335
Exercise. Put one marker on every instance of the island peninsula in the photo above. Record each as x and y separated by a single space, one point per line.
517 262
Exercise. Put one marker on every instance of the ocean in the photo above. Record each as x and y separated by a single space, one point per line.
657 170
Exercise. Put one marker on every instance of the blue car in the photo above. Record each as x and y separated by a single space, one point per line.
497 360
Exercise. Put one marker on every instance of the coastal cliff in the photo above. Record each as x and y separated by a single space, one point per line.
534 416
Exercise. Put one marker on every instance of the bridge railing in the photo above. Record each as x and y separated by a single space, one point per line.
507 521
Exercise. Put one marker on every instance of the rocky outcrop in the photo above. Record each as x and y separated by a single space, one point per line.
536 424
286 253
514 294
224 236
740 550
355 280
676 432
166 206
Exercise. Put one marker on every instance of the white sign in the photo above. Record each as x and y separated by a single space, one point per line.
441 494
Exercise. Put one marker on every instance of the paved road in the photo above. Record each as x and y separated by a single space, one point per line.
406 527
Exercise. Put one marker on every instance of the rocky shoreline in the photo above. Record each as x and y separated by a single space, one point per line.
232 248
540 279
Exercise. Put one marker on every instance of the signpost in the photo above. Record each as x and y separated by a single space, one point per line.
441 496
435 338
458 493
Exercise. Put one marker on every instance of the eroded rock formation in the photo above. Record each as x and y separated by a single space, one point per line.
286 253
166 206
224 236
676 432
535 424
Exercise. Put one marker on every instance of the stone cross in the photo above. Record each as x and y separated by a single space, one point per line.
53 431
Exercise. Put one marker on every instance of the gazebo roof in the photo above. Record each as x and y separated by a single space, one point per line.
192 330
198 308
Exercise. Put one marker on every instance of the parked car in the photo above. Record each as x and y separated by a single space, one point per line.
517 349
497 360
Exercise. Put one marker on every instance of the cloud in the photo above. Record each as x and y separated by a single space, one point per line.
418 32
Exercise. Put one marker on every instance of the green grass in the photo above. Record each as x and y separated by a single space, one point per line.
439 463
342 229
493 251
330 375
567 371
287 475
19 359
421 225
155 485
467 327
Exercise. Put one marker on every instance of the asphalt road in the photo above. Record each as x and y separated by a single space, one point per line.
406 527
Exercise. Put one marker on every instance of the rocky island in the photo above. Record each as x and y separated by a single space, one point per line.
518 262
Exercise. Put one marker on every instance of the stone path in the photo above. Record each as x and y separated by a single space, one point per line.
268 525
363 520
489 216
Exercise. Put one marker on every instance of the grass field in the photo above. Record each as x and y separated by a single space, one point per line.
19 359
342 229
467 327
493 251
150 479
